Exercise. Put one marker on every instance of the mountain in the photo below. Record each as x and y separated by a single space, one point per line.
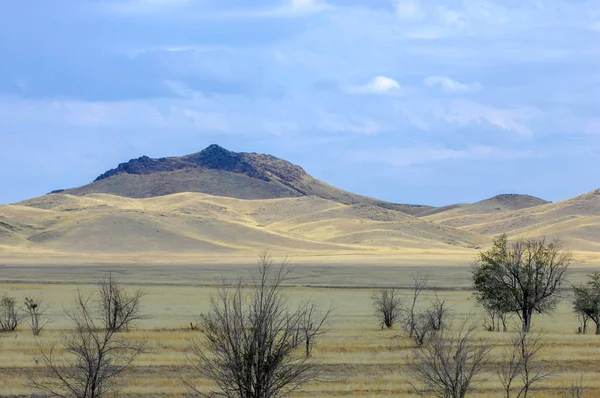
217 171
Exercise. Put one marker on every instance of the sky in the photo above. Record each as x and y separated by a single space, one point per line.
429 102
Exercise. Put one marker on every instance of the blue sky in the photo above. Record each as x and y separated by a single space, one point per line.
431 102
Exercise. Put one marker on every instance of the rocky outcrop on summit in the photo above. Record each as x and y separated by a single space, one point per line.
214 157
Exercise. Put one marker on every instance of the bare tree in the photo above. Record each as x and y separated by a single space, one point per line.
521 277
118 307
576 390
450 364
388 304
495 318
311 324
36 309
89 359
437 313
10 315
411 317
248 349
521 361
422 329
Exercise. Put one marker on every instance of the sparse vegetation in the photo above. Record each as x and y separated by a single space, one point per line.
89 358
412 320
248 350
388 306
521 363
311 325
118 307
11 316
36 309
450 364
353 358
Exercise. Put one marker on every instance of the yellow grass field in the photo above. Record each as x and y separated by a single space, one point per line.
355 357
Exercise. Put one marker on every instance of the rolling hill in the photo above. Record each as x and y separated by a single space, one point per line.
195 223
575 220
218 202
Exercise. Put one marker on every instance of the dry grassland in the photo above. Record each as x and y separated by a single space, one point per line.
356 358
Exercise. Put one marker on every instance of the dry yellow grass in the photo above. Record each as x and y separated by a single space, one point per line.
195 227
575 220
356 358
98 226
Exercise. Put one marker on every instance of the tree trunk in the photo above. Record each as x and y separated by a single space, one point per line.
307 347
598 327
527 319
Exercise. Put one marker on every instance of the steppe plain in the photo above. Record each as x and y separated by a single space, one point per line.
179 246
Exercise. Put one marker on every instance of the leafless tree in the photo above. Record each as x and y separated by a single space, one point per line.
119 308
522 277
422 329
437 313
36 309
494 319
10 315
89 359
521 361
411 316
388 306
576 389
425 323
248 348
450 364
311 324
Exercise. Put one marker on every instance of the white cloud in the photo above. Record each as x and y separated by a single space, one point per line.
204 121
452 17
288 8
451 85
379 85
403 157
339 124
463 113
407 9
145 6
308 5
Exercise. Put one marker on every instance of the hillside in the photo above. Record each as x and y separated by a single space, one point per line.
497 204
575 220
217 171
194 223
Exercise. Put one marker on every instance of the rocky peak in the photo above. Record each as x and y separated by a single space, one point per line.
254 165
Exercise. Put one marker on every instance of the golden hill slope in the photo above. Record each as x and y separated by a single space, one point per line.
575 220
201 223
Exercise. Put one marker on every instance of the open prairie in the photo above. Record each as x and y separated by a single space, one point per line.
354 356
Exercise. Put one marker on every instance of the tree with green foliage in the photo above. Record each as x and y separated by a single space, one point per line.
587 299
522 277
